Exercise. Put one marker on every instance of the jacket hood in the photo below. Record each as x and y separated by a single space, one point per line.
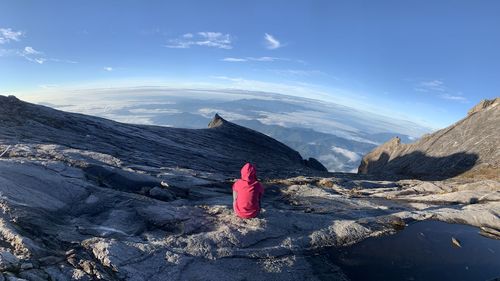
248 173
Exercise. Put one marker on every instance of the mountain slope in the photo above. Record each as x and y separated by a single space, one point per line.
222 149
470 147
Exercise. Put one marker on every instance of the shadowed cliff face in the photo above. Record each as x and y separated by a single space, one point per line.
223 148
469 148
416 165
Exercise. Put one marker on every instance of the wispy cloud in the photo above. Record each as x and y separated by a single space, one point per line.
297 72
206 39
441 90
60 60
108 68
268 59
457 97
37 60
430 86
235 59
32 55
271 42
7 35
30 51
260 59
48 86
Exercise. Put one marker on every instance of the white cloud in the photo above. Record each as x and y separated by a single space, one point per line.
457 97
59 60
438 87
207 39
271 42
351 155
297 72
38 60
234 59
267 59
108 68
431 86
32 55
7 35
30 51
259 59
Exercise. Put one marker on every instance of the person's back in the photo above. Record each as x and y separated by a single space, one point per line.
247 193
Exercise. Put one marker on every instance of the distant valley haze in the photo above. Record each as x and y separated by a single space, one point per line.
335 134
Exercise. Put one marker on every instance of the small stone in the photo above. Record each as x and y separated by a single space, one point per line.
455 242
87 266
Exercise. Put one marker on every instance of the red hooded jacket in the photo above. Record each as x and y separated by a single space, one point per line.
250 191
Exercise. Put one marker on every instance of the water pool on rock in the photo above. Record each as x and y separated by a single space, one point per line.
422 251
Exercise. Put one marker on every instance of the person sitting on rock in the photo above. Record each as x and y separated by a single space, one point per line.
247 193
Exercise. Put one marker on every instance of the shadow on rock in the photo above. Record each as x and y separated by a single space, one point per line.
421 166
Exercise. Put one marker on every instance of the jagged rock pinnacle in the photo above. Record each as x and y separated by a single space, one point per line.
217 121
483 105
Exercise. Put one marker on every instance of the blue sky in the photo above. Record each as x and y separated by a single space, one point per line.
426 61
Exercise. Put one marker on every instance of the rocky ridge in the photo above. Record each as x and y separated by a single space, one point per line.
469 148
220 148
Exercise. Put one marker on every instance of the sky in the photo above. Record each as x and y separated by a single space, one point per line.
424 61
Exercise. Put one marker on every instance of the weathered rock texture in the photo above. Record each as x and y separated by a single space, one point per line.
83 198
470 148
